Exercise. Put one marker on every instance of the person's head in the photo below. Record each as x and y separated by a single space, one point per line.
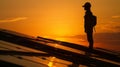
87 6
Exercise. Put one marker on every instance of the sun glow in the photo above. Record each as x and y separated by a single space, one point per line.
61 31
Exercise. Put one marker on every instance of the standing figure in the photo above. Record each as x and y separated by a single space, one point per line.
89 23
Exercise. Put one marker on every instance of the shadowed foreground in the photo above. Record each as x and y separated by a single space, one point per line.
94 58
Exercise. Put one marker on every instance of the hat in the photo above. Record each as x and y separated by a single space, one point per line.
87 4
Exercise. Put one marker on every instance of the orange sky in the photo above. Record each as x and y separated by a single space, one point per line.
59 17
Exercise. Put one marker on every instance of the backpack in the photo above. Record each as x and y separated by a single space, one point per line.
94 20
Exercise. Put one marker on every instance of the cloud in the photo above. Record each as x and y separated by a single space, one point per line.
14 19
108 38
115 17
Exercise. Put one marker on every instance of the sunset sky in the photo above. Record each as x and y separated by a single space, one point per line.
60 18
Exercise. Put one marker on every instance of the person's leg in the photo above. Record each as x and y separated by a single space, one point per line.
90 39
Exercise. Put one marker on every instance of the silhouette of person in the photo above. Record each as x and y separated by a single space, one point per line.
88 24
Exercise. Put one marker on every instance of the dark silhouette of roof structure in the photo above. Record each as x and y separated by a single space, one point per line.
8 64
39 44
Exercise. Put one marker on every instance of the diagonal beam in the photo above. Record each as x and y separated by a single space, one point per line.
100 54
8 64
6 52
